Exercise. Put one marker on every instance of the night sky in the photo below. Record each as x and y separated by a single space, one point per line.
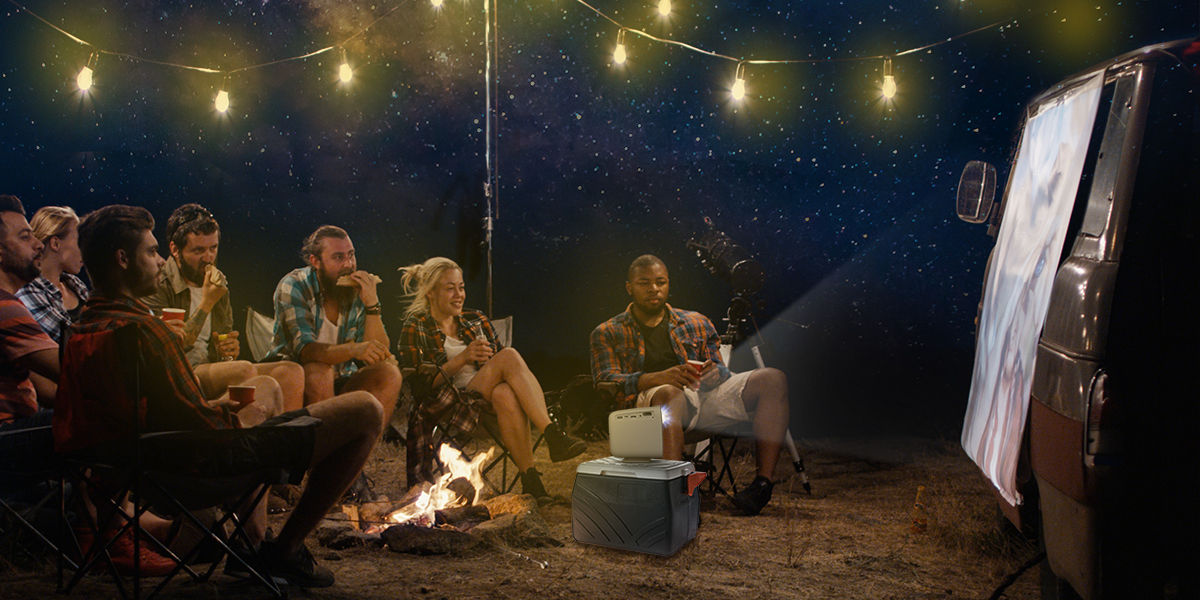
847 202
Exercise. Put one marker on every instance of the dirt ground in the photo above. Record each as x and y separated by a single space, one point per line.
851 538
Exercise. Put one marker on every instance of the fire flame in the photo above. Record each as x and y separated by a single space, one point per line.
440 496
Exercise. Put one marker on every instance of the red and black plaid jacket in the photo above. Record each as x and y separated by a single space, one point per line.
456 411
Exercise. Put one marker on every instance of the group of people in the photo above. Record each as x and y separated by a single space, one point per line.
331 358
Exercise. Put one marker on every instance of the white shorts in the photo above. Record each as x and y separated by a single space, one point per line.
716 410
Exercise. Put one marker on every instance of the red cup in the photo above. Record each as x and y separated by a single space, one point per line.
241 394
697 366
173 314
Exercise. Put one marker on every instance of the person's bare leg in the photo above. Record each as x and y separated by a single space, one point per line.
350 425
290 376
215 377
382 380
766 397
318 382
507 366
514 426
268 401
676 403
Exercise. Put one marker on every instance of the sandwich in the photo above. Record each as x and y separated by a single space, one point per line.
348 281
215 275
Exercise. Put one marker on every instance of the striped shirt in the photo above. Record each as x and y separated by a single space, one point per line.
45 301
20 336
618 351
299 311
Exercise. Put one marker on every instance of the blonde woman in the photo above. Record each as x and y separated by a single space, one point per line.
488 376
56 297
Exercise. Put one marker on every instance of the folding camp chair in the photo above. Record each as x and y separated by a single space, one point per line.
169 473
31 495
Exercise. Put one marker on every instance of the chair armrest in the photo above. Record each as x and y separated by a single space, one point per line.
609 390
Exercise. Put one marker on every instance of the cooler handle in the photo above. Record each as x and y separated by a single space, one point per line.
694 480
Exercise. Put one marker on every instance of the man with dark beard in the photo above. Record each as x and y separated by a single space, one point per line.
329 319
191 281
121 256
28 357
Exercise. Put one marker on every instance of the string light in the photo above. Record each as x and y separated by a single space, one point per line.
664 7
738 91
436 3
221 102
345 73
619 51
84 79
889 81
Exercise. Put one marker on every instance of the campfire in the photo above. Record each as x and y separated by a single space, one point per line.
461 485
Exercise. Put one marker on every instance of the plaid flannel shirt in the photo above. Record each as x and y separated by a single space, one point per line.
618 350
45 301
299 310
422 342
172 399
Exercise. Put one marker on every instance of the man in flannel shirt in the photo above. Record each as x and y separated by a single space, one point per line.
334 331
121 256
28 357
646 349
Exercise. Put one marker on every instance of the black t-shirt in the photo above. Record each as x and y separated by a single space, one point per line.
659 354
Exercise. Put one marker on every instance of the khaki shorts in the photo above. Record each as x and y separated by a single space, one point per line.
718 409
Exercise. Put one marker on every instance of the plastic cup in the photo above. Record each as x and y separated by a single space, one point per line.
697 366
173 314
241 394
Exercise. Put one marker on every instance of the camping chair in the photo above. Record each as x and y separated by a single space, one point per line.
169 473
487 430
259 333
31 495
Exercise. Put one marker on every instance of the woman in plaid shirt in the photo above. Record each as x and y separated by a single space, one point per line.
474 374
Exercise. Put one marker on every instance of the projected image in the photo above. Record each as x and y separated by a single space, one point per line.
1044 185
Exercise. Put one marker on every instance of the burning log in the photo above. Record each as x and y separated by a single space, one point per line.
462 518
413 539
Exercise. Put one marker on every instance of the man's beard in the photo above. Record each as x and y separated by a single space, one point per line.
342 294
191 275
25 272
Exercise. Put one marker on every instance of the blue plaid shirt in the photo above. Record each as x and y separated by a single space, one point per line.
299 311
45 301
618 350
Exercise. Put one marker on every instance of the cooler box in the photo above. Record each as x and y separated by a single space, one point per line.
646 506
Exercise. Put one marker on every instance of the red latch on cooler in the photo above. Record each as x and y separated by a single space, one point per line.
694 480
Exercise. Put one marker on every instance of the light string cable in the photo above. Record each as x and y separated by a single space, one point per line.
138 58
622 28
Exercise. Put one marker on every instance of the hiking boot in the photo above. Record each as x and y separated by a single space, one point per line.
300 568
752 498
151 563
361 491
562 446
531 483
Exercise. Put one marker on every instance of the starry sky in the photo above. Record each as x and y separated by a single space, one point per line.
845 200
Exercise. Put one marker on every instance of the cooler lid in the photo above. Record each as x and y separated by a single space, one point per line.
655 468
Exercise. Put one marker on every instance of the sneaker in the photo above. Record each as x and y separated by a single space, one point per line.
150 563
300 568
562 446
752 498
531 483
361 491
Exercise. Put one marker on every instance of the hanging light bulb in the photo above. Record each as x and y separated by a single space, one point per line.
738 91
345 73
436 3
889 81
619 51
664 7
84 78
221 102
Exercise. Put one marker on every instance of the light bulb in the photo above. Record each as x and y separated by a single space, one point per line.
436 3
889 87
619 54
738 91
664 7
222 101
84 79
345 73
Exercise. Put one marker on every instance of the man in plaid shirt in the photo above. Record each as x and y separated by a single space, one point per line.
333 328
663 356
